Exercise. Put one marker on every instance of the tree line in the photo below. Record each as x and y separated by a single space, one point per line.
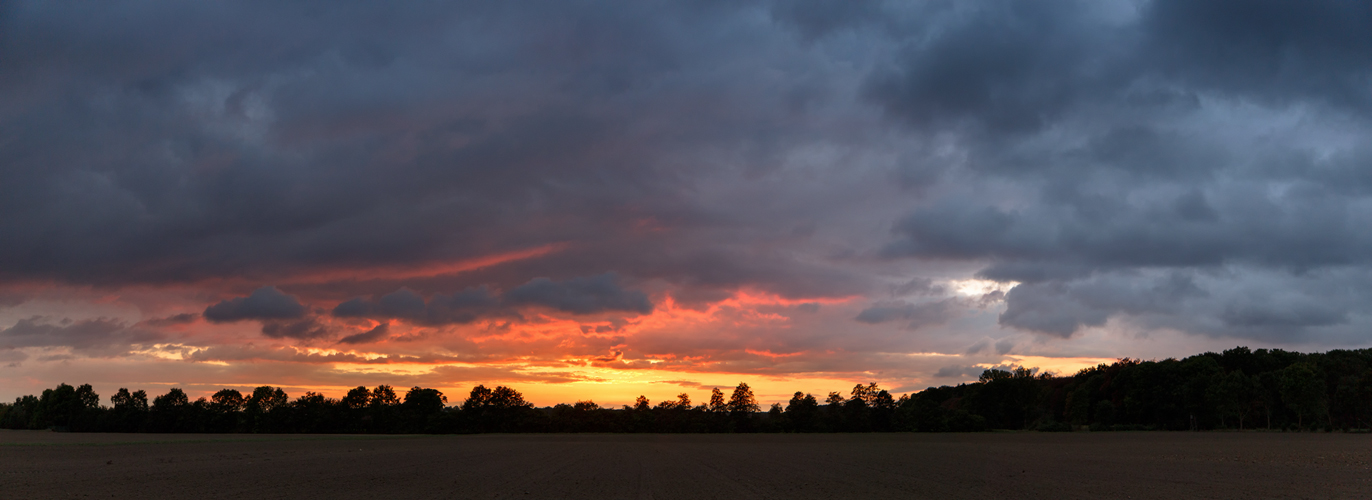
1236 389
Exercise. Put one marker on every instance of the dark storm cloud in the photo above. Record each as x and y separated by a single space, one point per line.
583 295
1274 50
1090 150
1012 67
1133 134
1004 66
817 18
461 307
1267 306
275 140
586 295
1243 224
266 303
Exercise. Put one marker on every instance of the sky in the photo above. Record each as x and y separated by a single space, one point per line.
592 200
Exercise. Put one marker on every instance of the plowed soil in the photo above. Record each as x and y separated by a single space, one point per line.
37 464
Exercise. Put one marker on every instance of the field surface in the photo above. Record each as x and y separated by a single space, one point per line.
37 464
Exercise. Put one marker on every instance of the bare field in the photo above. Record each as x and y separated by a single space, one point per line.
36 464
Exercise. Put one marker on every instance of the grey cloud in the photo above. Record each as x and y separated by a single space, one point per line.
462 307
583 295
1284 315
1274 50
978 347
1050 241
1262 305
814 19
265 152
11 357
175 319
308 328
1127 185
999 65
375 334
1011 67
1001 347
12 299
919 286
703 147
101 337
1048 309
915 315
957 371
586 295
1061 309
990 298
266 303
1005 345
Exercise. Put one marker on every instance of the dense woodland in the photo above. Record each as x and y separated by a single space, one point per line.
1236 389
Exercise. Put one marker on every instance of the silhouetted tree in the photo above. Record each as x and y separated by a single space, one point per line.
1362 401
802 413
742 400
717 401
1269 397
583 416
883 411
1205 391
682 401
1233 395
357 398
497 410
21 414
833 413
425 401
226 407
1302 391
855 409
260 410
423 409
170 412
313 412
67 408
129 412
384 395
229 400
742 405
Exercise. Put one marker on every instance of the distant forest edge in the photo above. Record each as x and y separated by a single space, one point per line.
1236 389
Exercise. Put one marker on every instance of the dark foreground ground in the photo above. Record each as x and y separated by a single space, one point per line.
36 464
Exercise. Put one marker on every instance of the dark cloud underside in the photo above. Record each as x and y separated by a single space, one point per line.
1165 165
